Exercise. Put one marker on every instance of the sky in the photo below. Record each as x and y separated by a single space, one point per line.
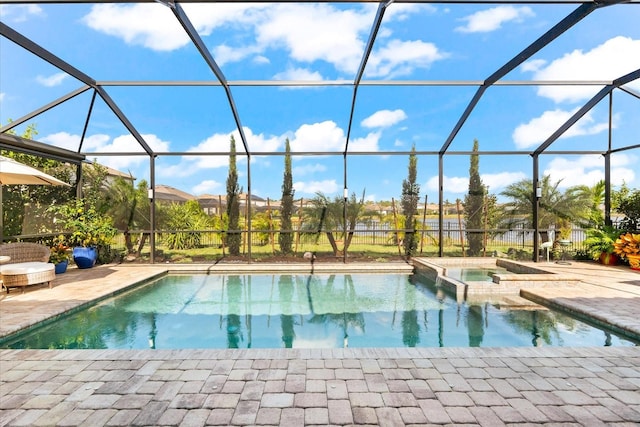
322 44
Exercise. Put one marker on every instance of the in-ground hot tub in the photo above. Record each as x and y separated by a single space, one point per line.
466 276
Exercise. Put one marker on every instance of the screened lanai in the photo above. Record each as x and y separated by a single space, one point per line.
158 89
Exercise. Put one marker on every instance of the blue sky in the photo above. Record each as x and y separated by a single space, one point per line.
324 42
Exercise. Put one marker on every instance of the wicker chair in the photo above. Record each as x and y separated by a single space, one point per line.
28 265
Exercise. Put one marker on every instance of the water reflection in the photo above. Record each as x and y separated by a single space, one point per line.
305 311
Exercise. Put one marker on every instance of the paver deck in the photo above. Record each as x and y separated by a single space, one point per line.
291 387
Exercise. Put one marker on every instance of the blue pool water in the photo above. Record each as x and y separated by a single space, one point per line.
304 311
475 274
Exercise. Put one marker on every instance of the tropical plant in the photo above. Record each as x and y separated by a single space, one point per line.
59 250
129 207
325 215
87 226
186 220
601 241
556 208
627 202
627 245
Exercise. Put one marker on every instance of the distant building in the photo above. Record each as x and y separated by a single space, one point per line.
166 193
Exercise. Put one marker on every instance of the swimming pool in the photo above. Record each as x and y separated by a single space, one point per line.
305 311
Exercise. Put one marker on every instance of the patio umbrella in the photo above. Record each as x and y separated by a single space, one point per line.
16 173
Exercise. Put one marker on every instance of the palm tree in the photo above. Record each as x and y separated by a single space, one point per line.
129 208
556 208
326 215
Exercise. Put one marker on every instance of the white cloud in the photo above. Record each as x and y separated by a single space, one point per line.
398 58
324 136
53 80
206 187
588 170
308 169
384 118
103 143
298 29
301 29
2 95
537 130
402 11
298 74
327 187
451 184
150 25
500 180
225 54
153 25
19 12
612 59
191 164
368 143
492 19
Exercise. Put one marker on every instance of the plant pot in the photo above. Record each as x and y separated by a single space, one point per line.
634 262
61 267
608 259
85 257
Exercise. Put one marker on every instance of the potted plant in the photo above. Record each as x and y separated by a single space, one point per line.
600 244
627 246
59 254
89 231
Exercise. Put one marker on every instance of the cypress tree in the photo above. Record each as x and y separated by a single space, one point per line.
409 203
234 237
285 238
473 204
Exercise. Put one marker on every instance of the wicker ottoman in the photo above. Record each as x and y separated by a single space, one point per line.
27 273
27 265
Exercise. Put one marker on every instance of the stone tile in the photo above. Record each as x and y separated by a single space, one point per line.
150 413
252 390
245 412
389 417
574 397
220 417
434 411
372 400
316 416
172 417
268 416
188 401
528 411
195 418
277 400
398 400
340 412
221 401
98 418
460 415
454 398
292 417
365 416
487 398
486 416
123 418
310 400
337 389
